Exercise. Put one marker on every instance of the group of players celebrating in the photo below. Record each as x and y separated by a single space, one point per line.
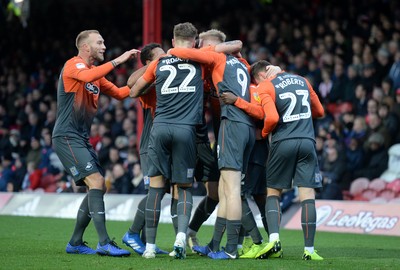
259 112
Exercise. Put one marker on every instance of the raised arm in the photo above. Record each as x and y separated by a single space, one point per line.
230 47
112 90
135 76
81 72
253 108
144 81
201 56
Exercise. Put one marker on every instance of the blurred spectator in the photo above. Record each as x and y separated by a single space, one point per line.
34 153
104 147
372 108
113 158
375 158
375 125
383 65
32 129
121 183
351 84
95 137
340 81
325 86
387 87
332 170
7 173
354 160
360 102
394 72
137 179
389 121
116 126
357 131
368 77
19 169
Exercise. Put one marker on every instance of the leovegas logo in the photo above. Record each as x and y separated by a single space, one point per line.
353 217
367 221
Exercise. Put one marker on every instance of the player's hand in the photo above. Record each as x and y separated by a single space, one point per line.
237 55
228 98
126 56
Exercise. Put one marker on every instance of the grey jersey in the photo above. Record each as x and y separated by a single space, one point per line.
235 79
179 90
292 101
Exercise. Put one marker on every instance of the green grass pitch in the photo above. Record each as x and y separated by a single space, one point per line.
39 243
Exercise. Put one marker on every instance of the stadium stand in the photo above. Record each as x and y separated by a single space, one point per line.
350 49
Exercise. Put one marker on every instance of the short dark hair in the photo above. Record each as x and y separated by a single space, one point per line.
258 66
146 53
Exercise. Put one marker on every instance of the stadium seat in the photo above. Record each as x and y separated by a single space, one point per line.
369 194
358 186
378 200
394 185
395 200
377 184
388 194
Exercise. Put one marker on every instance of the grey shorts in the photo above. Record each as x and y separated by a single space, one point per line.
293 162
172 152
78 158
235 143
254 182
206 165
144 164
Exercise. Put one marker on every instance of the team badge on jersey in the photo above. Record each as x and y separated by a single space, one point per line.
73 171
89 166
190 173
257 97
318 177
80 65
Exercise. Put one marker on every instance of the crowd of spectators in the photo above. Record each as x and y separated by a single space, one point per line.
348 50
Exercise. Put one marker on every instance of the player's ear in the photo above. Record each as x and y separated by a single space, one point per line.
173 43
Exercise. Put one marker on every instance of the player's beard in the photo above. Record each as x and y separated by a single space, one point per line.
97 56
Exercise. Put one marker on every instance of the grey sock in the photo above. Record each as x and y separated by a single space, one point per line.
82 221
138 222
242 234
152 213
249 223
184 210
273 213
174 214
219 229
202 213
308 221
97 211
232 235
261 203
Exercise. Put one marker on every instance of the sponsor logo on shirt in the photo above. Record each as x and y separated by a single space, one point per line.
92 88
